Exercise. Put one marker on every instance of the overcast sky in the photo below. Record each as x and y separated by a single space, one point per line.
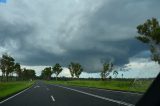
40 33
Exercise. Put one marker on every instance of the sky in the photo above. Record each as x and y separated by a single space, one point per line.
41 33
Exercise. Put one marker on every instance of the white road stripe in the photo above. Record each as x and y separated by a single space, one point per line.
14 95
47 89
100 97
133 93
52 98
36 86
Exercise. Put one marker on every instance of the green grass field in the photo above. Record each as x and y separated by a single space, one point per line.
9 88
124 85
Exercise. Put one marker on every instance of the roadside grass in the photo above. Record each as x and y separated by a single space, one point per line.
9 88
122 85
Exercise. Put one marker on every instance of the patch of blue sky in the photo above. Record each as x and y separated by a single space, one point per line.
3 1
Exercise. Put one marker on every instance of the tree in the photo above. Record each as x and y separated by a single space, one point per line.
17 69
57 69
2 67
75 69
28 74
71 69
78 70
25 74
150 34
107 69
32 74
46 73
7 65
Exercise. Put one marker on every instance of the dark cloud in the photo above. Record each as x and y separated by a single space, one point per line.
43 33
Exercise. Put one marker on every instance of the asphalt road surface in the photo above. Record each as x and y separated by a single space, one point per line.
41 94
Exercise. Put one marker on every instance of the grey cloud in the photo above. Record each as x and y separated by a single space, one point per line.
86 31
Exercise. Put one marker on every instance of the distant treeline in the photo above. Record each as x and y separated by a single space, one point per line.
13 71
74 68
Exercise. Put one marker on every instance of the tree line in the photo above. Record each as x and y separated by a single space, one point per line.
10 68
74 68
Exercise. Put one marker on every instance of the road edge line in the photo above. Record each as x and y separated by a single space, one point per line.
101 89
15 95
97 96
133 93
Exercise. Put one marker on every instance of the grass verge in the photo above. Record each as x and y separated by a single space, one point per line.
9 88
122 85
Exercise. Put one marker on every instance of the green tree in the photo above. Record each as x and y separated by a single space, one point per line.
6 65
149 33
3 67
107 69
57 69
28 74
46 73
17 69
32 74
71 69
25 74
75 69
78 70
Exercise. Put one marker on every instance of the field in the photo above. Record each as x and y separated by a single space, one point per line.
123 85
9 88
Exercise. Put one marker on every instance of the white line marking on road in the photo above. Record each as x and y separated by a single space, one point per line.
100 97
14 95
47 89
53 99
36 86
134 93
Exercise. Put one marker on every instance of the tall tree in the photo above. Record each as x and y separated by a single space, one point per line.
25 74
32 73
57 69
107 69
28 74
46 73
78 70
75 69
17 69
149 33
71 69
2 67
7 65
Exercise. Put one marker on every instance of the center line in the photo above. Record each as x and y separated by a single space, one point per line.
53 98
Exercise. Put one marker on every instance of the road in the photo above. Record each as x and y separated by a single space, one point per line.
42 94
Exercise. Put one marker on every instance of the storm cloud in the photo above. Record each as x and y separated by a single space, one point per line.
44 32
